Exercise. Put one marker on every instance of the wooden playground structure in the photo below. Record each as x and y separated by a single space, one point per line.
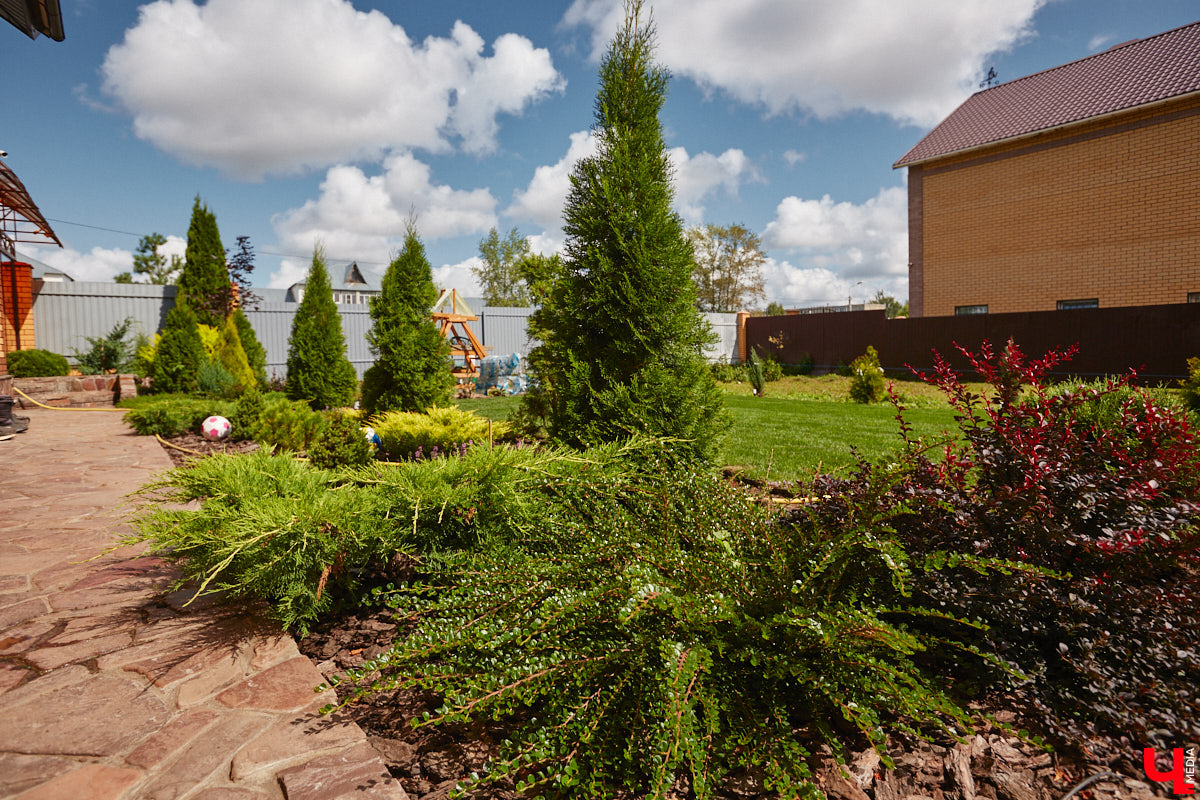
451 313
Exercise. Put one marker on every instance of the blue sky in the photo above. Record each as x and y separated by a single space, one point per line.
299 121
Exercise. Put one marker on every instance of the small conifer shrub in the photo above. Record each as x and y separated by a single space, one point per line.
179 354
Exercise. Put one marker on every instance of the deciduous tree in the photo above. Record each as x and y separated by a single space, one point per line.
892 307
728 271
500 275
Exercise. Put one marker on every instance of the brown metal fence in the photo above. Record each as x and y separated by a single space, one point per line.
1154 340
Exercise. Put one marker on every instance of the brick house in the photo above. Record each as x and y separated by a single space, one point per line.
1076 187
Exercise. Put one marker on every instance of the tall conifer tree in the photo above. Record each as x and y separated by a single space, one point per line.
204 281
412 365
318 370
623 347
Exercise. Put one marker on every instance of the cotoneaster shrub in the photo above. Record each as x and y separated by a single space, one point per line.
659 625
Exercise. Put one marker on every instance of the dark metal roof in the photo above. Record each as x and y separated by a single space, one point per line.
20 219
33 17
1123 77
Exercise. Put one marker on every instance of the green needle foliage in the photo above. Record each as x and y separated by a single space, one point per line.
204 282
232 356
268 527
180 353
412 366
318 371
256 354
623 342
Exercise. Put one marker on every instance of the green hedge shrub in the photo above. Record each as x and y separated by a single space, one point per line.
169 416
37 364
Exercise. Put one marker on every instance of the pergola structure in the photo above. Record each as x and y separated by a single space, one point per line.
20 221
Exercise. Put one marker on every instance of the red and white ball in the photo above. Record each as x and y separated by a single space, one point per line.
215 428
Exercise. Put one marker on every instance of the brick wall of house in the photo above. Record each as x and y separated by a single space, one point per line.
1108 210
17 308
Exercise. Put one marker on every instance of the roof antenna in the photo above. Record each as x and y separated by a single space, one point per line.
990 80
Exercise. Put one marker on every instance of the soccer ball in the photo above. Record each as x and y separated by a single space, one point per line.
215 428
372 437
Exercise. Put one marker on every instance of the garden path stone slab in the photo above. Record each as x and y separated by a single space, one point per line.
102 716
20 772
354 773
114 688
93 781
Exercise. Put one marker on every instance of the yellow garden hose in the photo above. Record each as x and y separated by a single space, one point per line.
66 408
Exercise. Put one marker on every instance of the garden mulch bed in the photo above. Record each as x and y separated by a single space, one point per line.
430 761
202 447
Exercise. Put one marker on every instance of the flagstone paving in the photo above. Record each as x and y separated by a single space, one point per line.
112 688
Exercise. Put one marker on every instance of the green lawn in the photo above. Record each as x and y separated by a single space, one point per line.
789 436
785 438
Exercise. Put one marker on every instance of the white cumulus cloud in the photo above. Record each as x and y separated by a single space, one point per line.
98 264
364 216
699 176
278 86
542 201
696 177
856 241
914 61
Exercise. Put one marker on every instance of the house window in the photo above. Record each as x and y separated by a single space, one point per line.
1071 305
966 311
1194 297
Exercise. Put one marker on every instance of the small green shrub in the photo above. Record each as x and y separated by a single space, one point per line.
178 353
866 384
213 380
402 433
36 364
772 370
665 627
289 424
342 444
247 413
1191 385
109 353
803 366
724 372
169 416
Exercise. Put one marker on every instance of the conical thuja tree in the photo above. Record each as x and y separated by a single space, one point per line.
412 366
204 281
623 347
318 370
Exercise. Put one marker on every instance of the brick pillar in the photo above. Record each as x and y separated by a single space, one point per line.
741 336
17 280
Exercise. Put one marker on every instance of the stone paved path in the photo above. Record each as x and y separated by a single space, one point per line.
110 689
